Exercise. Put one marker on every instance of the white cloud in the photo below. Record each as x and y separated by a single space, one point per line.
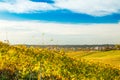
21 31
90 7
24 6
59 28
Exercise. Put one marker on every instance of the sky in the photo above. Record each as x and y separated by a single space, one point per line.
61 22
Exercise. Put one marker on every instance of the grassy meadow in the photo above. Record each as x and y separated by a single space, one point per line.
107 57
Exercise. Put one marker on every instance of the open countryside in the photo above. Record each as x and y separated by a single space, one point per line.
59 39
35 63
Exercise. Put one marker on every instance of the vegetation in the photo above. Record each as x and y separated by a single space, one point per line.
111 57
23 63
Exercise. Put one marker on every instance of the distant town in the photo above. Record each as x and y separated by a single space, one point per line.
104 47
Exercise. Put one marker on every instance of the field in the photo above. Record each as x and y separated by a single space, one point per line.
107 57
34 63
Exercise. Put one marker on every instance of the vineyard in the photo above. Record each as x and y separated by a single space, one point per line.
34 63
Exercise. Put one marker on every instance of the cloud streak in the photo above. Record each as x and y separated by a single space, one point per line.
90 7
24 6
21 31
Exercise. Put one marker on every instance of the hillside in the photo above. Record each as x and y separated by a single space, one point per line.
21 62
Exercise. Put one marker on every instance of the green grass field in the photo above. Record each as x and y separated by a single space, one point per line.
107 57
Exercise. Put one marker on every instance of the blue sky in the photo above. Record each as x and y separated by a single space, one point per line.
63 21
